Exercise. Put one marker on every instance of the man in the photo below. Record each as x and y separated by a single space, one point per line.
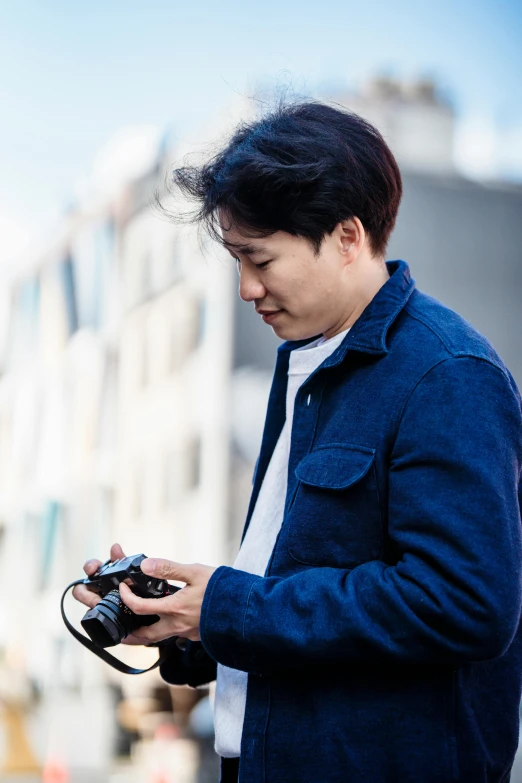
369 627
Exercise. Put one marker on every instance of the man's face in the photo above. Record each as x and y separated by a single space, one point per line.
307 295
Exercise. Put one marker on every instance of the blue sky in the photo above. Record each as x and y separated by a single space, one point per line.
71 74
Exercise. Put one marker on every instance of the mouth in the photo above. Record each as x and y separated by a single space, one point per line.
269 315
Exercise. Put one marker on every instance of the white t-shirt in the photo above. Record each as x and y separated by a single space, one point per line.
257 546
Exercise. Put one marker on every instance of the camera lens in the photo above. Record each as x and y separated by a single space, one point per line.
110 620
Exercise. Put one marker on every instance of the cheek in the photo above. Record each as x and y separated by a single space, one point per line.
308 295
296 288
306 291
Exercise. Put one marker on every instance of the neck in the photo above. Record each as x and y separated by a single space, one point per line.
372 284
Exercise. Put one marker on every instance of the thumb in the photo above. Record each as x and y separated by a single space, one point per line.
167 569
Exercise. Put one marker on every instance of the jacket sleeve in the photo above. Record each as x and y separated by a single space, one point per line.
453 592
191 666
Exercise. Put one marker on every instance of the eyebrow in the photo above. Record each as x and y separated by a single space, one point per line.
250 249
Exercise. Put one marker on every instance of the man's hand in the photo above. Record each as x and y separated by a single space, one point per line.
179 613
82 592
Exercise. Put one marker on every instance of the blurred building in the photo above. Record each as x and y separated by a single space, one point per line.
114 420
417 122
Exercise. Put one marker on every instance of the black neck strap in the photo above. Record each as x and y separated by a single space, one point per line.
99 651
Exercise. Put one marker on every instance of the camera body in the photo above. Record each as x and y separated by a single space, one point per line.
111 620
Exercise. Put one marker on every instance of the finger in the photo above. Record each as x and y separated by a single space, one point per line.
117 552
168 569
135 638
91 566
151 633
132 639
85 596
145 605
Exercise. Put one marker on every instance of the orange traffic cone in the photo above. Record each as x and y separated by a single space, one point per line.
160 777
19 756
55 771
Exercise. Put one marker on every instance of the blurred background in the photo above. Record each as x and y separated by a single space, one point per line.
133 380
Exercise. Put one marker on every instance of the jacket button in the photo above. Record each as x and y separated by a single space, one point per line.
308 400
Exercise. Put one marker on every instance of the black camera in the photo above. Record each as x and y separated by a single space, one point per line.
110 620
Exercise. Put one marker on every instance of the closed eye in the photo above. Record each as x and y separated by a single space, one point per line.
262 265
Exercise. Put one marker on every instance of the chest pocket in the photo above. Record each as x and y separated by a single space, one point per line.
335 519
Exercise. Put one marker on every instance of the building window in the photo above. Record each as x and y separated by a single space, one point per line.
146 274
138 488
143 357
187 329
193 463
172 479
176 270
181 471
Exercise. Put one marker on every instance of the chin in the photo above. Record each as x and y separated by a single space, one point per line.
292 334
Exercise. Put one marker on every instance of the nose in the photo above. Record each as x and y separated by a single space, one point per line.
250 286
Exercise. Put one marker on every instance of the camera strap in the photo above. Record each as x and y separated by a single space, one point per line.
99 651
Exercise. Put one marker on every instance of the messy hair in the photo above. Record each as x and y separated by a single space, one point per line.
301 168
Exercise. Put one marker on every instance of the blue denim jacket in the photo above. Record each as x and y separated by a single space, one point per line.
383 643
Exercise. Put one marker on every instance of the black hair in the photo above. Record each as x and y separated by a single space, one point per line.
301 168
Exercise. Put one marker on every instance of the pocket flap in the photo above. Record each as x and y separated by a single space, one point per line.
335 466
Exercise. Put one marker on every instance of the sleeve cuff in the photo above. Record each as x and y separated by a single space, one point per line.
223 617
191 666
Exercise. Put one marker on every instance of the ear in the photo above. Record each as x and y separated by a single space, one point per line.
351 235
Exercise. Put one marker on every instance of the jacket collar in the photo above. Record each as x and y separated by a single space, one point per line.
368 333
